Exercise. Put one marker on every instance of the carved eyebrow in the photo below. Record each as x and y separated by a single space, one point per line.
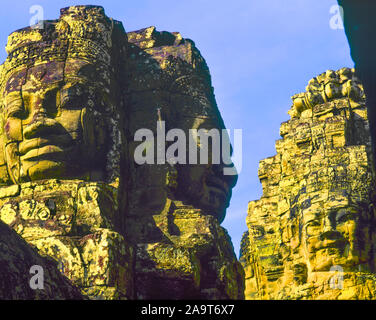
46 90
342 213
72 89
11 97
73 82
307 218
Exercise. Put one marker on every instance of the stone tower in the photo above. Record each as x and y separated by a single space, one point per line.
312 233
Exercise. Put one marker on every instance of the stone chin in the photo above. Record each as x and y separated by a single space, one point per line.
46 169
212 199
206 189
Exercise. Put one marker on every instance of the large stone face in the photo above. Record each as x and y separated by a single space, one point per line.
312 233
74 94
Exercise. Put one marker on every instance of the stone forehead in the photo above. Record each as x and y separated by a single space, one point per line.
333 202
56 71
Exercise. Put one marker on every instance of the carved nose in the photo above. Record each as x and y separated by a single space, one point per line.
40 115
330 235
329 223
41 124
329 231
41 108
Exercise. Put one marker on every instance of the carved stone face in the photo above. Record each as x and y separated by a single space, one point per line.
49 123
205 185
336 234
300 273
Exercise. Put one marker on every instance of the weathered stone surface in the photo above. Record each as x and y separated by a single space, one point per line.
193 260
312 233
73 95
17 258
73 222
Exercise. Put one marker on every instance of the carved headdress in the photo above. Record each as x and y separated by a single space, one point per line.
81 32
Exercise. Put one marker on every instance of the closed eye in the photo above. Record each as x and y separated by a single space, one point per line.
72 98
15 109
341 218
313 223
312 227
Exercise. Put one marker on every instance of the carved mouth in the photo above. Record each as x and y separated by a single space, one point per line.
332 244
218 184
45 152
39 146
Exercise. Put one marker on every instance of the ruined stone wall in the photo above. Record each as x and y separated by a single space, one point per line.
18 262
312 233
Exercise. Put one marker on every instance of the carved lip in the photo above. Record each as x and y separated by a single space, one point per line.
58 141
337 244
54 146
49 150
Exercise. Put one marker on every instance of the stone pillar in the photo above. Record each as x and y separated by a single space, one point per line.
312 233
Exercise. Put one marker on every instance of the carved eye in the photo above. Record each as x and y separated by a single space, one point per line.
15 109
65 97
344 216
313 228
258 232
72 97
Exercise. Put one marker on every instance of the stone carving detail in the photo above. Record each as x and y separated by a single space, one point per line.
312 233
73 94
17 258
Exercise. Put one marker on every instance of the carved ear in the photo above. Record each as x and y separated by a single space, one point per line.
4 176
87 123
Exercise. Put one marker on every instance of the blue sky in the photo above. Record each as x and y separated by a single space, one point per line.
260 53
